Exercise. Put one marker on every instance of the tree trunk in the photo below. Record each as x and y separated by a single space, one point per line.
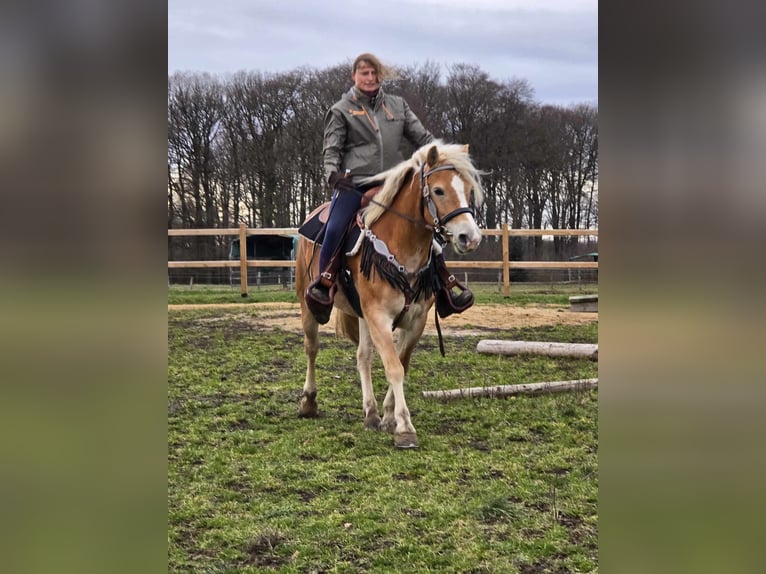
514 390
495 347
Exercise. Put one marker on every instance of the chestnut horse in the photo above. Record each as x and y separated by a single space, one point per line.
425 202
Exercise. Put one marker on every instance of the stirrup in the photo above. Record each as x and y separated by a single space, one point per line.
318 303
448 303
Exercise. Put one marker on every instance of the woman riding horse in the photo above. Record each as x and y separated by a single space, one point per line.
362 136
391 276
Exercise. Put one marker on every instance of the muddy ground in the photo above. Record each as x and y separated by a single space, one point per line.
477 319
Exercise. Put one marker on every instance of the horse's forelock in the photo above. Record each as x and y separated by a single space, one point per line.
457 155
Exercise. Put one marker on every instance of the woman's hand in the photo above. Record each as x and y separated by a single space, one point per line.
337 181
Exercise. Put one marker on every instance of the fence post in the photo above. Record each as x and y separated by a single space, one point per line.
506 263
243 259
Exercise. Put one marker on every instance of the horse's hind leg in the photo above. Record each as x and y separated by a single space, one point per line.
308 405
388 424
364 352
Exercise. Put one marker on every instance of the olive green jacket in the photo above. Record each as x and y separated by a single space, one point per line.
366 140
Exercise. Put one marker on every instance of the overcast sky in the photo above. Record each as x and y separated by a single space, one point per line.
553 44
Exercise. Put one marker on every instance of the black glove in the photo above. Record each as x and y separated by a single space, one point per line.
339 182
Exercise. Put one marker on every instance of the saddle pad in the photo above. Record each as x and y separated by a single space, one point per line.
314 227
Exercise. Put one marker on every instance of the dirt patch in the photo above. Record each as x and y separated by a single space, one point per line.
476 320
261 550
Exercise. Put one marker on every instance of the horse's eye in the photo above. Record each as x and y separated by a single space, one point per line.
438 191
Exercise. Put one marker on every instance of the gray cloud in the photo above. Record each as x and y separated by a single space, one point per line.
556 51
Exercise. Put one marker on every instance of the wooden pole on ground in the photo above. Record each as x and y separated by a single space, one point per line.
496 347
514 390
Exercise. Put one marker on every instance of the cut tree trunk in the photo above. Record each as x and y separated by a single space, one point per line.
514 390
497 347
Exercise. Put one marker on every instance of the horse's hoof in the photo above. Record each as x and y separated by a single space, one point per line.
388 426
372 422
406 440
308 408
308 413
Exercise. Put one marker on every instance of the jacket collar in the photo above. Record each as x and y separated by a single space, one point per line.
358 96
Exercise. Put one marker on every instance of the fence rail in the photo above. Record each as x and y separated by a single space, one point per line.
505 265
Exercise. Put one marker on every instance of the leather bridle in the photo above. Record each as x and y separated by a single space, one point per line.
440 233
438 222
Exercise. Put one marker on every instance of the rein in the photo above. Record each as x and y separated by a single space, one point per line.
402 215
438 223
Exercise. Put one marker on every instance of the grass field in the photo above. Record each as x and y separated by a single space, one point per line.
521 293
497 485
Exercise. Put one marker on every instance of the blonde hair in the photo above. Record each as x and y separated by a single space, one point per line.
384 72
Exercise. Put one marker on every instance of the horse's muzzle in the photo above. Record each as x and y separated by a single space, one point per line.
466 241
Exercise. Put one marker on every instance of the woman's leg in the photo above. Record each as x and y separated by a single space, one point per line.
343 206
319 295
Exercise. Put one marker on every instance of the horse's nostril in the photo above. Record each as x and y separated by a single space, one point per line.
462 239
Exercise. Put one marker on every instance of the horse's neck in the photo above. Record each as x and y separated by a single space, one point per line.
409 241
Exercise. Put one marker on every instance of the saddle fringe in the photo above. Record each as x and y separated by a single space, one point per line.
427 280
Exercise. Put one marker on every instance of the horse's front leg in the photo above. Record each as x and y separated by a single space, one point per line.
364 365
404 432
405 344
308 405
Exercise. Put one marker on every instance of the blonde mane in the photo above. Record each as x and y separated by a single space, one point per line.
454 154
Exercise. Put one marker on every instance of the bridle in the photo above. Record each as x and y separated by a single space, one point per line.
425 190
440 233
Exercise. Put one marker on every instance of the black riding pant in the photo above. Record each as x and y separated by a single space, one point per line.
344 204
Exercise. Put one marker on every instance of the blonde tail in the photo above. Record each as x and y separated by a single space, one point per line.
347 326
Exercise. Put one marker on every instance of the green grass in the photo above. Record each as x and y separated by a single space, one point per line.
521 294
217 294
497 485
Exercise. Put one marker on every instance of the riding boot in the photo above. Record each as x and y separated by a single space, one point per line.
448 302
320 294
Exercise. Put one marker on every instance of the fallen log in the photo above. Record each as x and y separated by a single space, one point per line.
496 347
584 303
514 390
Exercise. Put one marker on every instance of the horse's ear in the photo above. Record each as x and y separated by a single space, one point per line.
406 179
433 156
465 149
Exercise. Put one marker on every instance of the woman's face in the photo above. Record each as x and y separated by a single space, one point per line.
365 77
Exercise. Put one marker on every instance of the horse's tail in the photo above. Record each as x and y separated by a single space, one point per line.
347 326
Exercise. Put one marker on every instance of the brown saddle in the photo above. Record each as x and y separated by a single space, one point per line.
313 227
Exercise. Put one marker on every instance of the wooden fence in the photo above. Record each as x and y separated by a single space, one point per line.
505 265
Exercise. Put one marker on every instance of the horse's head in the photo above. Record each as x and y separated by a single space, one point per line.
448 188
451 190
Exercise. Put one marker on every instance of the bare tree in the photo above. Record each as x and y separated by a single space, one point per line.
248 148
422 87
194 111
577 160
314 93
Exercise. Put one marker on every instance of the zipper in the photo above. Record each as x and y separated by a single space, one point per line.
370 119
373 123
